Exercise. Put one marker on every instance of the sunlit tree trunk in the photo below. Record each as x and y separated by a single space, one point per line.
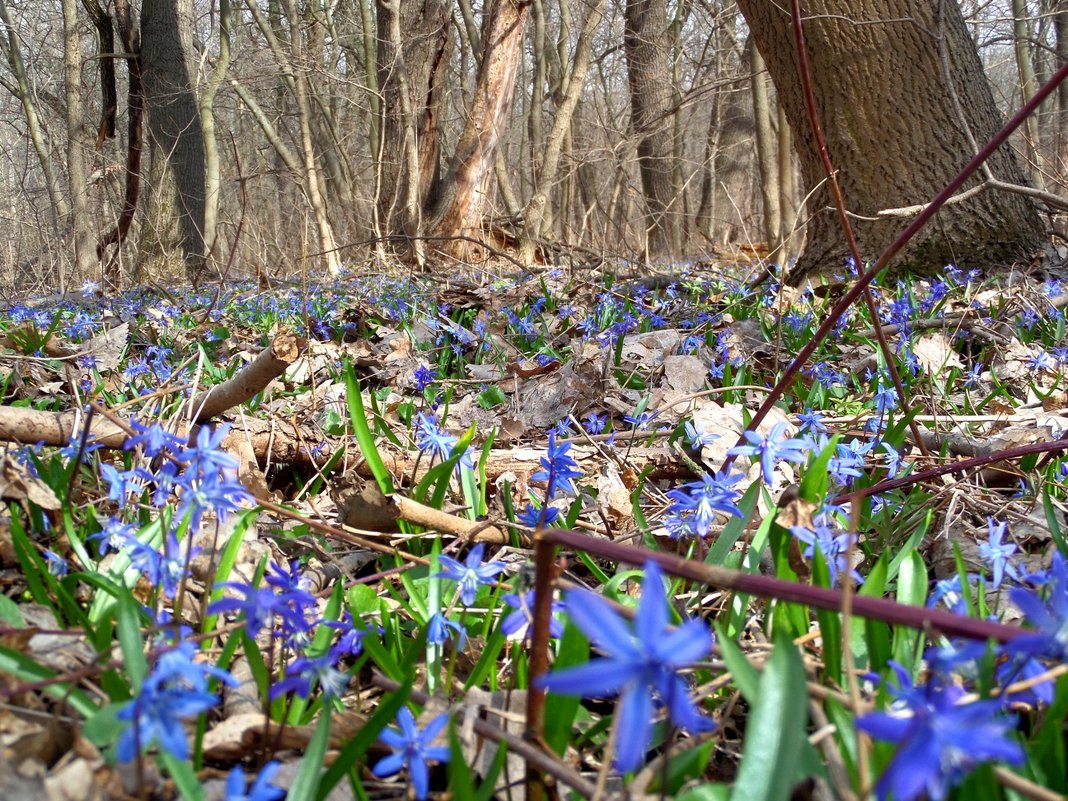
463 202
78 144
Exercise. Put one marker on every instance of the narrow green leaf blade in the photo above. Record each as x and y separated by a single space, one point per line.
776 729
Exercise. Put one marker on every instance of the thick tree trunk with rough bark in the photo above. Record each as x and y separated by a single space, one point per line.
415 41
462 205
174 118
646 41
903 102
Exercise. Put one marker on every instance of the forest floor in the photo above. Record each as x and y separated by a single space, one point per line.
269 542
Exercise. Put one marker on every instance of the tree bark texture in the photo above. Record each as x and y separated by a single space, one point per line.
903 102
173 116
412 74
78 145
646 41
463 202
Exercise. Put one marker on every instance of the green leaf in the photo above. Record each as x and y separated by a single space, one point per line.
24 668
1054 522
707 792
830 623
911 590
308 779
227 561
131 640
574 650
185 778
9 612
363 433
352 752
746 677
683 767
735 527
775 732
461 780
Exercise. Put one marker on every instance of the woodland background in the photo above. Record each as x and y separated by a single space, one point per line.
310 130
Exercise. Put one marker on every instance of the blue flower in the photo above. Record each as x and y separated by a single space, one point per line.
696 435
157 716
642 662
303 671
833 546
260 605
57 565
437 630
559 469
424 377
120 483
413 749
771 450
997 554
470 573
175 689
696 503
516 625
261 789
207 456
431 439
1049 616
811 422
940 739
533 516
594 423
165 570
154 439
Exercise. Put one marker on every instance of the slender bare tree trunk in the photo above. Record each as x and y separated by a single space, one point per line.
78 144
1060 32
327 243
463 202
767 160
1021 30
415 41
212 174
788 200
646 42
13 53
537 218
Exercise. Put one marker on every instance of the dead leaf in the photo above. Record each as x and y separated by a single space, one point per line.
935 353
16 484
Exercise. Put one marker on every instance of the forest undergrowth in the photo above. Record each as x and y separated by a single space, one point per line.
511 537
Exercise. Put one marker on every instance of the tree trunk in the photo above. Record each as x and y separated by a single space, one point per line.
327 244
646 40
77 145
767 158
459 210
412 76
1021 35
538 216
174 118
887 107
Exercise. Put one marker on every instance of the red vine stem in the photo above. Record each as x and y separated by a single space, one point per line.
892 250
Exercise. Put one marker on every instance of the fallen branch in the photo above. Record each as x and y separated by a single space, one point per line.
254 377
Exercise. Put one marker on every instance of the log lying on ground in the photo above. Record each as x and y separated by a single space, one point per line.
270 440
282 443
